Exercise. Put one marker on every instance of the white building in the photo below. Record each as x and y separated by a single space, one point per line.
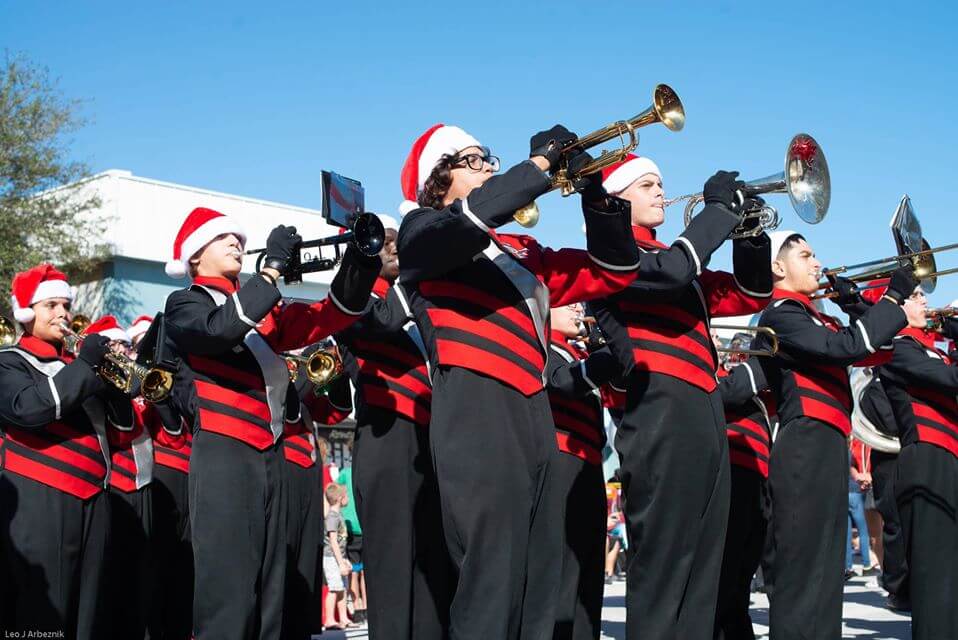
142 217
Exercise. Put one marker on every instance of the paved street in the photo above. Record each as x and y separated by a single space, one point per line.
864 615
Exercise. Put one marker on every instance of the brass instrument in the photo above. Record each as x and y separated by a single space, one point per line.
862 428
590 333
805 179
936 317
122 372
923 262
768 332
79 323
322 366
8 333
666 108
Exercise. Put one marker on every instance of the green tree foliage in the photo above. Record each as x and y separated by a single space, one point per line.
44 214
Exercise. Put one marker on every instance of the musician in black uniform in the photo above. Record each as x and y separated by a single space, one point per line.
742 383
808 471
481 300
228 336
574 380
921 382
407 567
54 510
672 443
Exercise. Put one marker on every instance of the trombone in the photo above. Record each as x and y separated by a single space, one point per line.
666 108
120 371
922 261
322 366
805 179
768 332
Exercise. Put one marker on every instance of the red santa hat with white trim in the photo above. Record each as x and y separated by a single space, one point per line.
439 140
140 326
29 287
617 177
109 327
200 228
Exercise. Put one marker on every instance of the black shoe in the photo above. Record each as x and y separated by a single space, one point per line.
872 571
849 574
896 603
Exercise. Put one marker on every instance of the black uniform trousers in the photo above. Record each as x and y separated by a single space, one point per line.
172 616
53 548
675 478
579 606
493 450
238 524
927 491
808 482
744 545
130 573
894 567
304 539
409 577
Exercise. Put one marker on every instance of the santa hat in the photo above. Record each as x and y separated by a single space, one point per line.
389 222
617 177
140 326
200 228
428 149
878 289
778 238
109 327
39 283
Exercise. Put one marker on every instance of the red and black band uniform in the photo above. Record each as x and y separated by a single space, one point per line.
53 504
407 566
876 408
672 442
808 470
749 446
574 380
229 337
921 382
481 301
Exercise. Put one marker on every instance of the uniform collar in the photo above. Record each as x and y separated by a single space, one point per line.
225 285
381 287
559 339
645 237
40 348
922 336
808 303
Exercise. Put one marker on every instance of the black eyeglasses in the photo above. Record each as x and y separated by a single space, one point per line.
475 161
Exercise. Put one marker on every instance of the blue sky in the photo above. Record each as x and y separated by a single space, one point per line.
256 99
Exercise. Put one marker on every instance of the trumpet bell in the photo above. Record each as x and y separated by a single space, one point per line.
323 368
156 385
668 108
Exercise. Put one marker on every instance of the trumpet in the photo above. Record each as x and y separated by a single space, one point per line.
367 234
122 372
79 323
805 179
936 317
590 333
923 262
768 332
666 108
8 333
322 366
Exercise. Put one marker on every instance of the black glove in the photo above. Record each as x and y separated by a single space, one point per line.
723 189
589 186
280 246
847 291
549 144
93 349
903 283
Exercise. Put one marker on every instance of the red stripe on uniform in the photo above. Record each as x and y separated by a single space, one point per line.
745 461
49 476
484 329
246 404
669 313
679 341
384 399
122 483
574 446
675 367
936 437
59 452
73 434
826 413
170 461
745 442
820 386
217 369
458 354
248 432
415 385
297 457
473 295
118 460
412 360
929 413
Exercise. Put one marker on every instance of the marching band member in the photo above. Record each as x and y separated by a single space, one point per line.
921 382
740 383
228 337
397 499
675 469
55 467
574 379
130 569
808 471
482 301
